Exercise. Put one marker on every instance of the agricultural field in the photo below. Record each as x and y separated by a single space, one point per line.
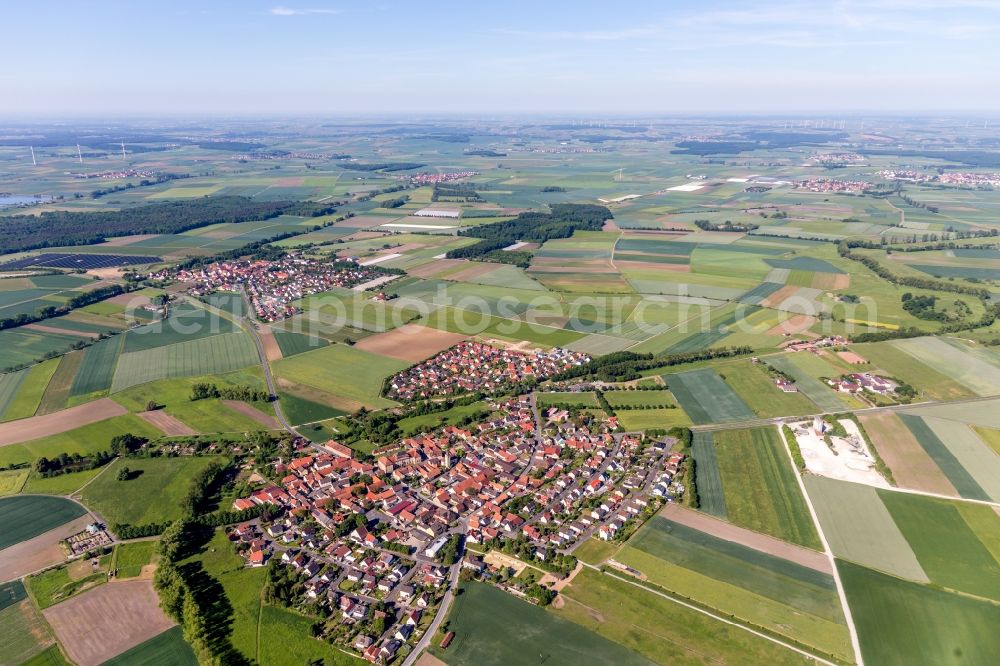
765 590
484 617
759 487
706 398
26 517
904 622
152 494
806 369
658 628
754 385
128 559
353 375
211 355
24 634
166 649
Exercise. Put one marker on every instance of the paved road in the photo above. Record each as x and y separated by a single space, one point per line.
250 325
449 597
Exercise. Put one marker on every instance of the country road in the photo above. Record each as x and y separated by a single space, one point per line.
754 423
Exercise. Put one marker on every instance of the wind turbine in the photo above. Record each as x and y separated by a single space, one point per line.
33 162
123 151
79 155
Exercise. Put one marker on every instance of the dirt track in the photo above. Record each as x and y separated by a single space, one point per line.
36 427
252 412
39 552
107 620
750 539
170 425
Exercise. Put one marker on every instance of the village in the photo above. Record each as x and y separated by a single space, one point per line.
272 286
434 178
833 185
477 366
373 545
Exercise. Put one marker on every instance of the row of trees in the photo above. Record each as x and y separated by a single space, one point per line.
561 222
244 392
843 249
60 228
625 366
78 301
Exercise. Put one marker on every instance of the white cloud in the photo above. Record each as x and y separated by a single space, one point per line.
281 10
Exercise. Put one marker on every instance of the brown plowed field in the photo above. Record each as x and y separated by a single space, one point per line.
410 342
253 413
36 427
171 426
267 340
750 539
107 620
40 552
911 466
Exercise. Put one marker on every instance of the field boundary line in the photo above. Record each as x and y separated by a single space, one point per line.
73 494
720 618
848 618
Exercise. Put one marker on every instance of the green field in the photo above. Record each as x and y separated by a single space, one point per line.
659 629
83 440
154 493
639 398
900 622
764 590
30 391
58 584
897 363
212 355
805 369
342 371
761 492
577 399
859 528
25 517
949 551
645 419
706 398
974 369
752 383
60 484
484 619
128 559
11 593
708 479
98 366
24 633
289 641
166 649
944 458
292 343
187 322
12 480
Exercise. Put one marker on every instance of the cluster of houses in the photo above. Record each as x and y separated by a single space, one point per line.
958 178
366 537
833 185
815 344
432 178
857 382
837 159
476 366
273 286
117 174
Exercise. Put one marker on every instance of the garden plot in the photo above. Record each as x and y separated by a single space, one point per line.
844 458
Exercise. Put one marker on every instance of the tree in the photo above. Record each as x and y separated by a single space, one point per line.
127 443
124 474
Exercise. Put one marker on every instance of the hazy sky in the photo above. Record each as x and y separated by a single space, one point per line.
346 56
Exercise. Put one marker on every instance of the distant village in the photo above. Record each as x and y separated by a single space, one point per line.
959 178
374 544
477 366
272 286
